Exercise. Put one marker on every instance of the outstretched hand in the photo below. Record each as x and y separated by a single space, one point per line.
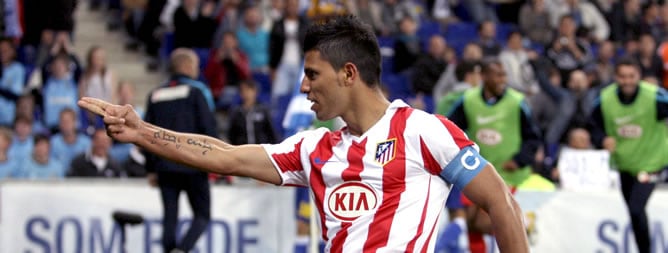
121 121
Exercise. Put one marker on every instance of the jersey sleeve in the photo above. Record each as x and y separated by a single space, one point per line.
450 154
289 158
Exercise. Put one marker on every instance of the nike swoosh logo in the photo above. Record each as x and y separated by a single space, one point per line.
489 119
624 120
319 161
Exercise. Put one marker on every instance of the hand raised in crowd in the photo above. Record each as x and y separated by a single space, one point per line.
122 121
609 144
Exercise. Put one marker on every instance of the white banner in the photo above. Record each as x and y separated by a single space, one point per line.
586 170
595 222
75 216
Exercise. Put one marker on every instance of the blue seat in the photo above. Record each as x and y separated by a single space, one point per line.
203 55
397 85
264 84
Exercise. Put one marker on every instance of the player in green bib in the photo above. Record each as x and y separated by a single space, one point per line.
497 118
628 120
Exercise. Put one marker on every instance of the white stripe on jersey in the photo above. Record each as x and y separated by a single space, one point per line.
408 223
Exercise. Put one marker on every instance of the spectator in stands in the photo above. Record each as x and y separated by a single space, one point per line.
497 118
515 60
13 12
652 22
441 11
604 63
487 39
8 165
11 82
68 142
391 14
147 31
468 76
272 10
98 80
647 57
429 66
39 164
188 112
250 123
26 107
62 46
229 18
59 92
481 11
132 13
629 121
583 93
625 21
369 11
254 40
472 53
587 19
407 47
567 52
226 67
96 161
22 144
194 25
285 53
534 21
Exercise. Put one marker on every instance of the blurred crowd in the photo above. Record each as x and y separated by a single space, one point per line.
557 53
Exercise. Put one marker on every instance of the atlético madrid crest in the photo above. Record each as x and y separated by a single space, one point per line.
385 151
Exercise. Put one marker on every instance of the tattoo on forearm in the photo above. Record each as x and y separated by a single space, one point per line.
205 146
171 138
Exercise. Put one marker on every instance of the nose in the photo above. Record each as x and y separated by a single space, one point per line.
305 87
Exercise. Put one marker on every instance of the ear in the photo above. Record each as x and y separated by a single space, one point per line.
350 73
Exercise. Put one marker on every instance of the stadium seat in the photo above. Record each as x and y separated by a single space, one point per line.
203 54
397 85
264 82
459 34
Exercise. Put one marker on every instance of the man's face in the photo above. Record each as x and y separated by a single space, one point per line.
323 86
41 151
495 79
627 77
67 123
101 143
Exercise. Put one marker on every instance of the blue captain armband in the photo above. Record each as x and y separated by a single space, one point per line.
464 167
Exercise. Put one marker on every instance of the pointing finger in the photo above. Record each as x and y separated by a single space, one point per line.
94 105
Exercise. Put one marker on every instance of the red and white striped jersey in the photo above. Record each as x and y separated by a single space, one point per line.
379 192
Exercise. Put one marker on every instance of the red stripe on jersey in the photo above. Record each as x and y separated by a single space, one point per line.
394 174
340 238
430 163
457 134
352 173
411 244
431 233
355 154
289 161
323 152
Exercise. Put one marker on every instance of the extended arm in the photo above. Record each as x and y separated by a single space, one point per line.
198 151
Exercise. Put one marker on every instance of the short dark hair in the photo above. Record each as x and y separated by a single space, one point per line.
464 68
488 62
250 83
37 138
343 39
626 61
